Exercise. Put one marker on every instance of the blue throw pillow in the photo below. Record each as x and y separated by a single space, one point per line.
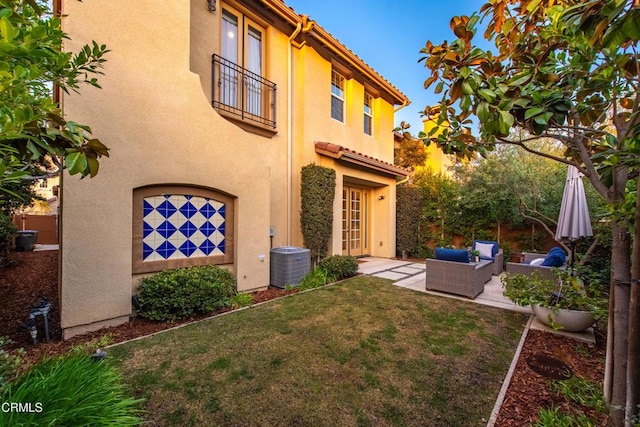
557 250
457 255
553 260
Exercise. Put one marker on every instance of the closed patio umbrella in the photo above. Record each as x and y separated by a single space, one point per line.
573 222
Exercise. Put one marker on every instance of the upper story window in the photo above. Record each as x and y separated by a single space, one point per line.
239 84
368 114
337 96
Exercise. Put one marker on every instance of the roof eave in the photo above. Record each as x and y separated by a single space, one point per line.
340 153
289 15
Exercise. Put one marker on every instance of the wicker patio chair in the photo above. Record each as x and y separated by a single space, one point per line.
526 268
498 258
466 279
498 263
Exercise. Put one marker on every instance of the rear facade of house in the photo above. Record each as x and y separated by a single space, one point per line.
210 110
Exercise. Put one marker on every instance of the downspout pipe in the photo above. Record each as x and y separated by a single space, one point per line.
395 110
304 25
403 181
400 107
290 128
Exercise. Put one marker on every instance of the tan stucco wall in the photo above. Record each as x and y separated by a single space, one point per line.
155 116
154 112
312 122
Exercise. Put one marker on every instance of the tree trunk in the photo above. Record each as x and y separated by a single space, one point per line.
616 375
633 366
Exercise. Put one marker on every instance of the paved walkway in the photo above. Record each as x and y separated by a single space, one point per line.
412 275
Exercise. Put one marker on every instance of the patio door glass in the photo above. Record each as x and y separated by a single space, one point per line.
354 221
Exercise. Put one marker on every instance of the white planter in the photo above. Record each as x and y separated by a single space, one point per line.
568 320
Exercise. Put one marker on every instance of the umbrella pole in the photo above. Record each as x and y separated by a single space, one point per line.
573 256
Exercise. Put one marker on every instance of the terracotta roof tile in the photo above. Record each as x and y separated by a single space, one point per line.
342 153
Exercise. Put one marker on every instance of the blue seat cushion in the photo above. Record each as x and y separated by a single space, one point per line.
457 255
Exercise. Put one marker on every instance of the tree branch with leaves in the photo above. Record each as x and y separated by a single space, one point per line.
34 64
567 70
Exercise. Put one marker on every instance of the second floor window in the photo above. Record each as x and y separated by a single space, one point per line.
368 114
337 96
242 44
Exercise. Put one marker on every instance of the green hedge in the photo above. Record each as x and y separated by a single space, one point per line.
408 210
317 191
179 294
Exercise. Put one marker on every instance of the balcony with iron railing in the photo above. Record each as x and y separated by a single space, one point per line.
242 95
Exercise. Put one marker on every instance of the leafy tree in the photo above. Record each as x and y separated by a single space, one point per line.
441 196
18 195
488 194
32 64
567 70
411 151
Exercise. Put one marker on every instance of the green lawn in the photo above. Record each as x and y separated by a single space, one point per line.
359 353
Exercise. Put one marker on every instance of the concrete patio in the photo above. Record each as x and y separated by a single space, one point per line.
411 275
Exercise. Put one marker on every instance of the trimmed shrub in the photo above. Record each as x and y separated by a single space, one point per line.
408 210
71 391
178 294
317 191
339 266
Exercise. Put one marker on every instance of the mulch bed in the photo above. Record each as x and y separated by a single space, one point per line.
34 275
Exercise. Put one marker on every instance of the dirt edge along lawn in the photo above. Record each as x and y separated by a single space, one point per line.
362 352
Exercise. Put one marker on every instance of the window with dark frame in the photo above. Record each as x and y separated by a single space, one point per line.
337 96
240 88
368 114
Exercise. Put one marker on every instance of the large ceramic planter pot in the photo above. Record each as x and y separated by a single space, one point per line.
569 320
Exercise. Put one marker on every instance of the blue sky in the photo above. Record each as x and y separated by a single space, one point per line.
388 36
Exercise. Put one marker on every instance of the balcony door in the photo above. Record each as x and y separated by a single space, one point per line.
355 221
242 46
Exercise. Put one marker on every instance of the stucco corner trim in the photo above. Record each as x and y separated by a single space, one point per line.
339 152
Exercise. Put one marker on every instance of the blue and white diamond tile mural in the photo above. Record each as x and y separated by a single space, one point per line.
181 226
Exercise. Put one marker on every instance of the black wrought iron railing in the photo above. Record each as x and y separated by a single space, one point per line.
243 93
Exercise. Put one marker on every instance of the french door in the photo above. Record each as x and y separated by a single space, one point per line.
355 234
241 46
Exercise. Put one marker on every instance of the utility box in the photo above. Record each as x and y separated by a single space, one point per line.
26 240
289 264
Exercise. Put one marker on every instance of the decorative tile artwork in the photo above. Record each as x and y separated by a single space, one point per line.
181 226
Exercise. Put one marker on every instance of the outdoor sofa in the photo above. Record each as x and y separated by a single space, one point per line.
454 275
544 271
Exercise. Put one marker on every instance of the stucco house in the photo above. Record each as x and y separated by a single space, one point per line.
210 110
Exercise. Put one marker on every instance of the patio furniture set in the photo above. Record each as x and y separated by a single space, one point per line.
456 272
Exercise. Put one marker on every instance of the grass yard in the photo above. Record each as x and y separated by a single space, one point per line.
359 353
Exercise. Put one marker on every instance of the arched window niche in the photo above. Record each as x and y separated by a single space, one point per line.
176 226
